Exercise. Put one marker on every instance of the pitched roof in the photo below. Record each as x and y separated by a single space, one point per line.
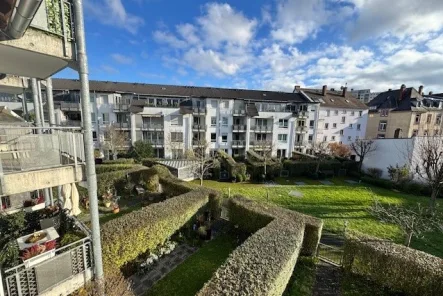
180 91
391 99
334 99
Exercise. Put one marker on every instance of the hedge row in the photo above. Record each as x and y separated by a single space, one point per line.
264 263
235 168
410 187
106 168
394 266
128 236
110 179
119 161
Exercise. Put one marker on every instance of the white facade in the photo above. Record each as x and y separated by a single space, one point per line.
341 125
364 95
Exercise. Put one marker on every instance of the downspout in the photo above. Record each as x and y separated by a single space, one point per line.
38 121
22 17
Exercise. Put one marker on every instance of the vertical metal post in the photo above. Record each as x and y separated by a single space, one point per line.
50 101
40 99
89 144
37 114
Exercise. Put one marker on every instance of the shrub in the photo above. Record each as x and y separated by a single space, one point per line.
106 168
111 179
394 266
399 174
374 172
119 161
239 178
141 150
128 236
378 182
304 168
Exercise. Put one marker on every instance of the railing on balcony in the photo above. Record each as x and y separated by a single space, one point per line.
75 123
301 129
198 127
198 110
239 112
122 125
239 127
263 144
121 107
21 149
237 143
158 142
261 128
150 126
303 114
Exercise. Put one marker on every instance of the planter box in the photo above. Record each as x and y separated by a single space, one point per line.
39 258
51 234
40 206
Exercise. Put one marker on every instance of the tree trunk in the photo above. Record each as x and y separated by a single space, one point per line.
318 167
265 167
408 239
201 181
433 200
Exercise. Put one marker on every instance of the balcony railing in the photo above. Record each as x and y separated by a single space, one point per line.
122 125
239 127
158 142
262 128
121 107
303 114
198 110
23 150
150 126
301 129
237 143
263 144
198 127
239 112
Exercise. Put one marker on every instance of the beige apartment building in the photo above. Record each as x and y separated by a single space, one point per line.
404 113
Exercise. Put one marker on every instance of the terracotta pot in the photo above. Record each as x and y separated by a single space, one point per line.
116 210
107 204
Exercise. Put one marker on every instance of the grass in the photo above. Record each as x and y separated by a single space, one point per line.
336 204
303 278
190 276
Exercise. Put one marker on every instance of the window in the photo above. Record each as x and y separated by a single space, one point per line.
91 98
334 125
224 121
417 119
225 104
358 126
105 100
429 118
326 125
325 138
384 112
352 113
213 120
360 113
93 117
425 133
336 112
224 138
310 138
105 117
343 119
343 112
382 125
177 120
438 119
351 125
414 133
333 138
311 124
349 138
301 123
214 103
282 138
94 136
283 123
380 136
260 121
342 132
213 137
176 137
328 113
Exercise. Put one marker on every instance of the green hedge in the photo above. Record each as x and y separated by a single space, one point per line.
106 168
235 169
394 266
300 168
128 236
120 161
116 178
264 263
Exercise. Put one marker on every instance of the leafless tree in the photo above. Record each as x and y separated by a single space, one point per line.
264 149
362 148
340 150
116 139
413 221
427 163
203 163
175 144
321 151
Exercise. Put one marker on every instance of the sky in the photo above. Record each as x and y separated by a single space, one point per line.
267 44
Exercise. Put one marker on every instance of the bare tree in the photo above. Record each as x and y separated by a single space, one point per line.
340 150
427 163
264 149
413 221
116 139
321 151
174 142
362 148
203 163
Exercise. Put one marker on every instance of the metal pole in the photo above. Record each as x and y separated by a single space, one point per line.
50 101
42 114
89 144
38 121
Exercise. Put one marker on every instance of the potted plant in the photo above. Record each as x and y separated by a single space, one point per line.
116 209
107 198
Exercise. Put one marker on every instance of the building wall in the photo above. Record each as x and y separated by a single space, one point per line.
395 120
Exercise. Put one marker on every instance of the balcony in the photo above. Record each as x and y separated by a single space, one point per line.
47 45
303 114
198 111
263 143
122 125
239 112
198 127
238 143
262 128
301 129
156 143
74 123
152 127
239 128
121 108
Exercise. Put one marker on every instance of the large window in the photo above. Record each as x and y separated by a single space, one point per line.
213 120
342 132
438 119
105 118
283 123
224 138
260 121
311 123
326 125
224 121
343 119
382 125
282 138
334 125
177 137
417 119
358 126
213 137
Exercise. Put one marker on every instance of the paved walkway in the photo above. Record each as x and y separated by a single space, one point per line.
327 280
140 284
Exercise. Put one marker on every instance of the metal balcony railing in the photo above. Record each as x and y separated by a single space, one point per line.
158 142
122 125
236 143
239 112
301 129
239 127
21 149
198 127
121 107
150 126
261 128
263 144
303 114
199 110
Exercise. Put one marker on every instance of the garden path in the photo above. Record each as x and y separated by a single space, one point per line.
327 280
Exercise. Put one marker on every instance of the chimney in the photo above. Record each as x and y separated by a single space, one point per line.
431 93
402 89
345 90
420 90
324 89
296 88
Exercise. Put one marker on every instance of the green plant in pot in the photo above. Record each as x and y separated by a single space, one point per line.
107 198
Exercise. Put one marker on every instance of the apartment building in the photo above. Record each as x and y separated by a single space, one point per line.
177 118
341 118
364 95
404 113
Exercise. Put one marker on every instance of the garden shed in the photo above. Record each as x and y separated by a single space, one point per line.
182 169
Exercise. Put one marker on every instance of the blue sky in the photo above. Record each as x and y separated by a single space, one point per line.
267 44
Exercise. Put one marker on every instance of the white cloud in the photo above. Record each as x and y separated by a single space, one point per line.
169 39
211 62
189 33
121 59
108 69
113 13
436 44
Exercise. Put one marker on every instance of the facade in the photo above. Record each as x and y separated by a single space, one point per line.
404 113
341 118
178 118
364 95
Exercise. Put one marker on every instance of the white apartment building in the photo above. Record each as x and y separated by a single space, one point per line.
177 118
342 118
364 95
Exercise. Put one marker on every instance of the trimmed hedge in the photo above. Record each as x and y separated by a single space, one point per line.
300 168
235 169
106 168
394 266
110 179
135 233
264 263
120 161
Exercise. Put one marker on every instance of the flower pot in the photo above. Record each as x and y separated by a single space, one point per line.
39 258
116 210
107 204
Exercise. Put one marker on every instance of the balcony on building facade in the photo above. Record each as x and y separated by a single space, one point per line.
261 128
263 144
303 114
70 107
299 144
198 127
239 128
121 107
238 143
198 111
152 126
74 123
122 125
301 129
238 112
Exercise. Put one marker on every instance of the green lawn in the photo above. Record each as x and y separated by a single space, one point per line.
336 204
190 276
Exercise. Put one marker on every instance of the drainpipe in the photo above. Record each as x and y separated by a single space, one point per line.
50 101
89 143
40 99
24 14
38 121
